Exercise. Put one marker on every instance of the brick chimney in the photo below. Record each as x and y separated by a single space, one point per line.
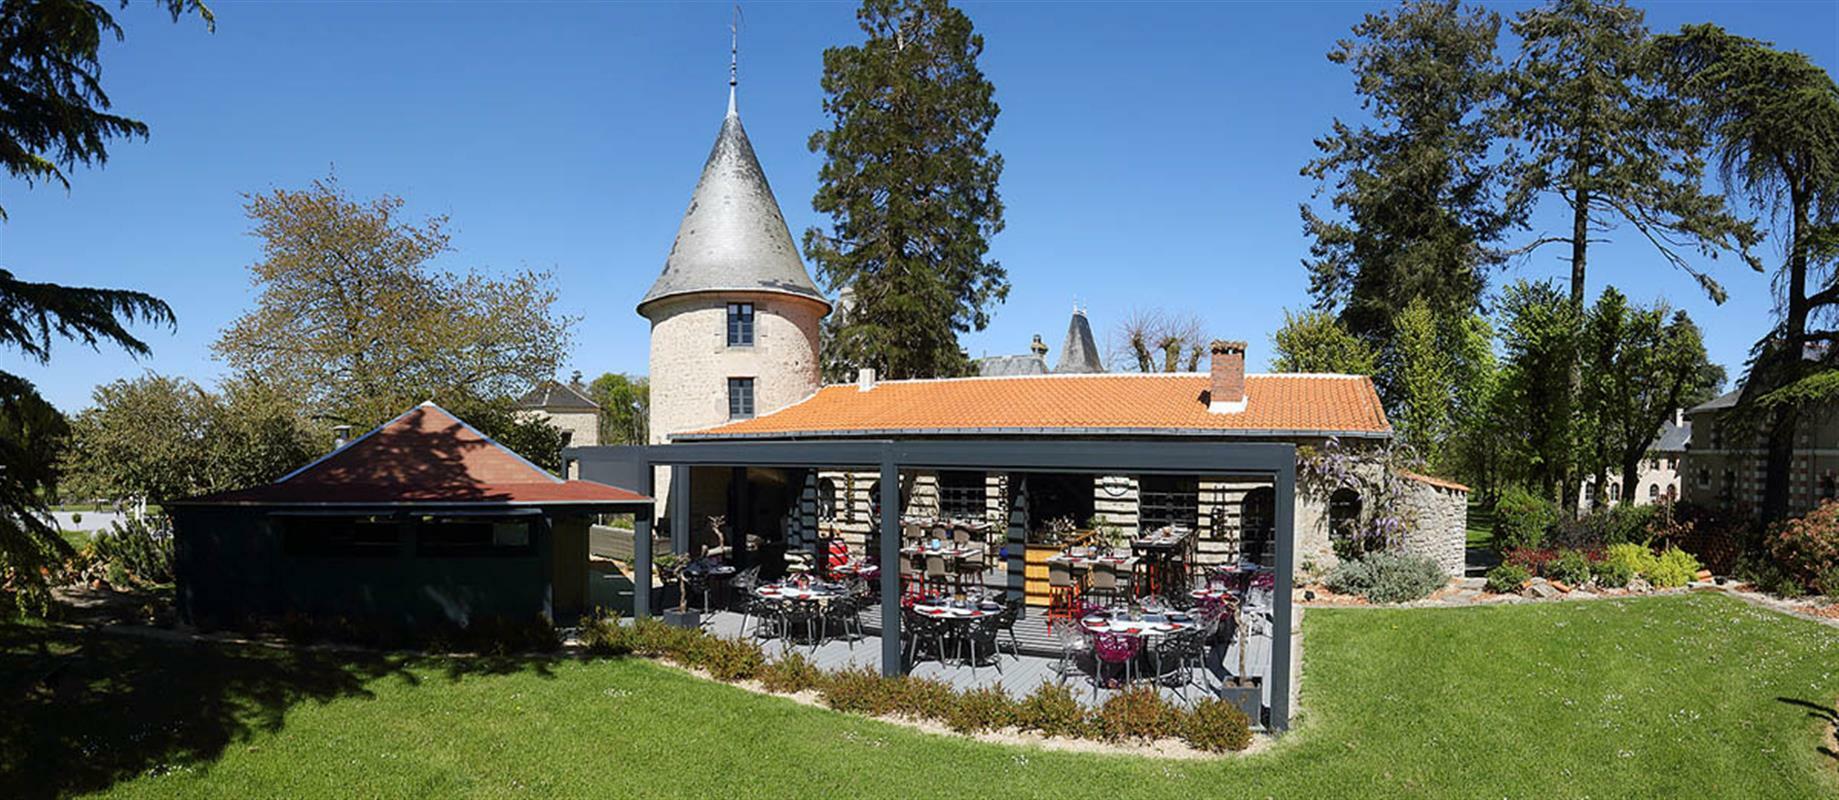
1226 392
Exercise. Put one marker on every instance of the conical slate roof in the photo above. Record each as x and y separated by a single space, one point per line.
733 237
1080 353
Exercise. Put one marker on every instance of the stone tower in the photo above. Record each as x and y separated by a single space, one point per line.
734 316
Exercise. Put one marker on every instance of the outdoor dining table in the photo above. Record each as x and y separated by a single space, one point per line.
1146 625
955 611
790 592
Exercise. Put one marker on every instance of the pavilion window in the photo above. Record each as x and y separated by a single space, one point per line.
1054 496
962 495
1164 500
740 398
826 499
740 324
340 537
459 536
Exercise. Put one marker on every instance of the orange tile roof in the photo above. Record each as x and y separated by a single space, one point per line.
1441 483
1113 403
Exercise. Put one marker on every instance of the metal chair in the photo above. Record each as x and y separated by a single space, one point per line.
921 631
846 612
970 565
1073 643
979 635
1005 623
1114 650
1062 591
1176 656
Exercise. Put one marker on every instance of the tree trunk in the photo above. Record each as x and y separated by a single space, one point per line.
1580 246
1778 465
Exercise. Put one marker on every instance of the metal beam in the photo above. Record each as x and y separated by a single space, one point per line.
1281 600
889 521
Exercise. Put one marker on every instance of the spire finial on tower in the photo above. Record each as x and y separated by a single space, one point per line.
734 55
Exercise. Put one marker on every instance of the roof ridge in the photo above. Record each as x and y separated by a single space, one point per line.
1096 376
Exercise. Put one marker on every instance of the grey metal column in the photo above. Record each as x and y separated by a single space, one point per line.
641 565
890 569
1279 676
680 508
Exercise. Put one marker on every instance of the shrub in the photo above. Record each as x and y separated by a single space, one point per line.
1507 578
603 635
919 698
652 638
1612 575
1762 571
1534 559
730 659
501 635
1521 519
790 673
985 709
1052 710
1827 582
859 690
1637 558
135 551
1808 547
1388 576
1217 726
1138 714
1569 567
1672 569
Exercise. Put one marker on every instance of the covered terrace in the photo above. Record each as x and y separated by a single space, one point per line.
1028 653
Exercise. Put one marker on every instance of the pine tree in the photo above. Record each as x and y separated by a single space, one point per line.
1589 104
911 191
1416 195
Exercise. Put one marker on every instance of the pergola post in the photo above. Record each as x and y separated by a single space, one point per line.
890 568
641 565
1285 519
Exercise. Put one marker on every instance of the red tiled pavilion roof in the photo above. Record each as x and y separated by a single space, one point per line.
425 456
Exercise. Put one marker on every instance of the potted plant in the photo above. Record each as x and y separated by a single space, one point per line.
1243 691
675 567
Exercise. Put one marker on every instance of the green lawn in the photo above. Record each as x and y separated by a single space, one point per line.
1691 696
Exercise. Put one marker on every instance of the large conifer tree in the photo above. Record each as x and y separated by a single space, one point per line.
910 188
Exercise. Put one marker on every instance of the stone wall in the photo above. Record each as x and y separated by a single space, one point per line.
1437 522
691 361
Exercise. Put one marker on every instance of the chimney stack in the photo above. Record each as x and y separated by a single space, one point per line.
865 379
1679 417
341 436
1226 392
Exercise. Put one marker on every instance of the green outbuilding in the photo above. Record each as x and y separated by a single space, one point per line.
423 520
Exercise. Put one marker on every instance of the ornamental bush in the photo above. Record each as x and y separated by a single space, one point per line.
1569 567
1808 548
1388 576
1521 519
859 690
1637 558
1672 569
1137 714
790 674
730 660
1051 710
1217 726
1612 576
1507 578
918 698
978 710
603 635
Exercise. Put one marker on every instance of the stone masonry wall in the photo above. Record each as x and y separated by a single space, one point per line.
1438 524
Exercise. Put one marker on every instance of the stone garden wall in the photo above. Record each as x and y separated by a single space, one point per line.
1437 512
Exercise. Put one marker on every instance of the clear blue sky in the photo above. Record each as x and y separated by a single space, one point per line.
1152 155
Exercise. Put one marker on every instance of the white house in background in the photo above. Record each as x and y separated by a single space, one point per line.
1658 479
566 406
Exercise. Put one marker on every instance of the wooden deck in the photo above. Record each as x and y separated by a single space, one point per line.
1038 663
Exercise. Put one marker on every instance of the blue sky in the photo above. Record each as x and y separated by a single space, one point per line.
1152 155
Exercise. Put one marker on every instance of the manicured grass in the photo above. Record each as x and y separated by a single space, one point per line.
1691 696
1480 526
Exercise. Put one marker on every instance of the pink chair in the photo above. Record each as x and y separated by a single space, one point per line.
1113 649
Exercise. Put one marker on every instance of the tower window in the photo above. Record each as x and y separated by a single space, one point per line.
740 325
740 398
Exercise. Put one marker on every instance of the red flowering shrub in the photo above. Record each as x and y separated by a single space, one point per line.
1532 559
1808 547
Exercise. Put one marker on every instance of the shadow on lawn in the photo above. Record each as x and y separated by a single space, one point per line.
1825 713
83 710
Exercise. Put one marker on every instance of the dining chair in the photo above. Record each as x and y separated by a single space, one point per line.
1062 591
1074 643
979 635
937 576
1114 650
1102 581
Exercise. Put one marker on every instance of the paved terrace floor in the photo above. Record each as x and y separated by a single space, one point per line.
1039 661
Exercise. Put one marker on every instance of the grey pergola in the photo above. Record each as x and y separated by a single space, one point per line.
633 466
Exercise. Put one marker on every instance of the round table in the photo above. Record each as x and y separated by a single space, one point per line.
1134 627
948 611
818 593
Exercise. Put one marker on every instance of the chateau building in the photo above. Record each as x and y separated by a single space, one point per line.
735 356
1725 466
1657 479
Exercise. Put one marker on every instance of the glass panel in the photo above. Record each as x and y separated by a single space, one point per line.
961 495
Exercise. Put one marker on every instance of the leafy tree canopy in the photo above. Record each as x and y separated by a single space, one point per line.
351 315
625 405
1314 341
